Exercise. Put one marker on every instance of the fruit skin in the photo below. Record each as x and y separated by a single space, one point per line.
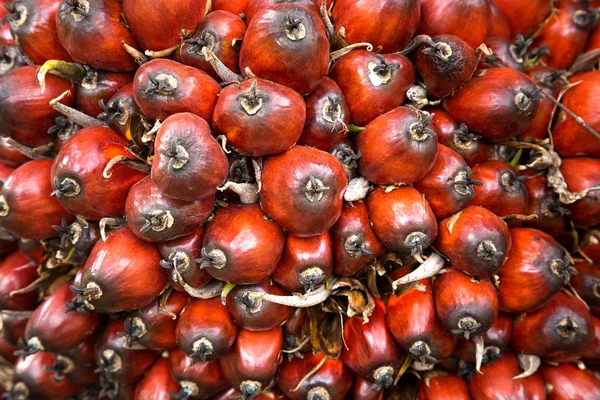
157 26
126 270
525 16
311 201
205 330
254 6
587 284
402 219
156 217
16 272
287 44
443 387
204 376
252 362
495 339
496 381
391 145
158 383
501 192
163 87
560 331
189 164
354 242
25 114
387 24
259 117
234 6
570 138
98 86
33 24
334 377
28 210
535 269
475 241
498 104
499 22
372 84
220 31
95 24
327 117
591 357
567 382
241 246
447 186
583 173
82 159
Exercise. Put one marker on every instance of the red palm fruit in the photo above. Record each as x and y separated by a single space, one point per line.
233 394
33 25
7 351
591 245
25 113
565 35
468 20
156 217
592 355
543 202
354 242
17 272
583 173
465 306
62 130
293 332
445 62
78 177
506 53
525 16
397 147
370 349
567 382
254 314
189 164
593 41
364 389
413 322
158 384
52 328
181 255
305 263
81 236
372 83
33 379
514 97
496 381
570 137
502 191
115 361
495 339
10 57
33 250
311 202
450 133
475 241
499 23
205 330
9 154
346 153
121 274
402 219
198 380
118 111
97 86
241 245
233 6
95 24
587 284
442 386
12 325
332 380
565 325
286 44
251 116
536 269
157 26
551 82
447 186
26 206
252 362
327 117
254 6
6 37
152 326
388 25
220 32
77 364
164 87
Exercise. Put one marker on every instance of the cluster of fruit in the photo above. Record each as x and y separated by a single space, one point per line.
300 199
